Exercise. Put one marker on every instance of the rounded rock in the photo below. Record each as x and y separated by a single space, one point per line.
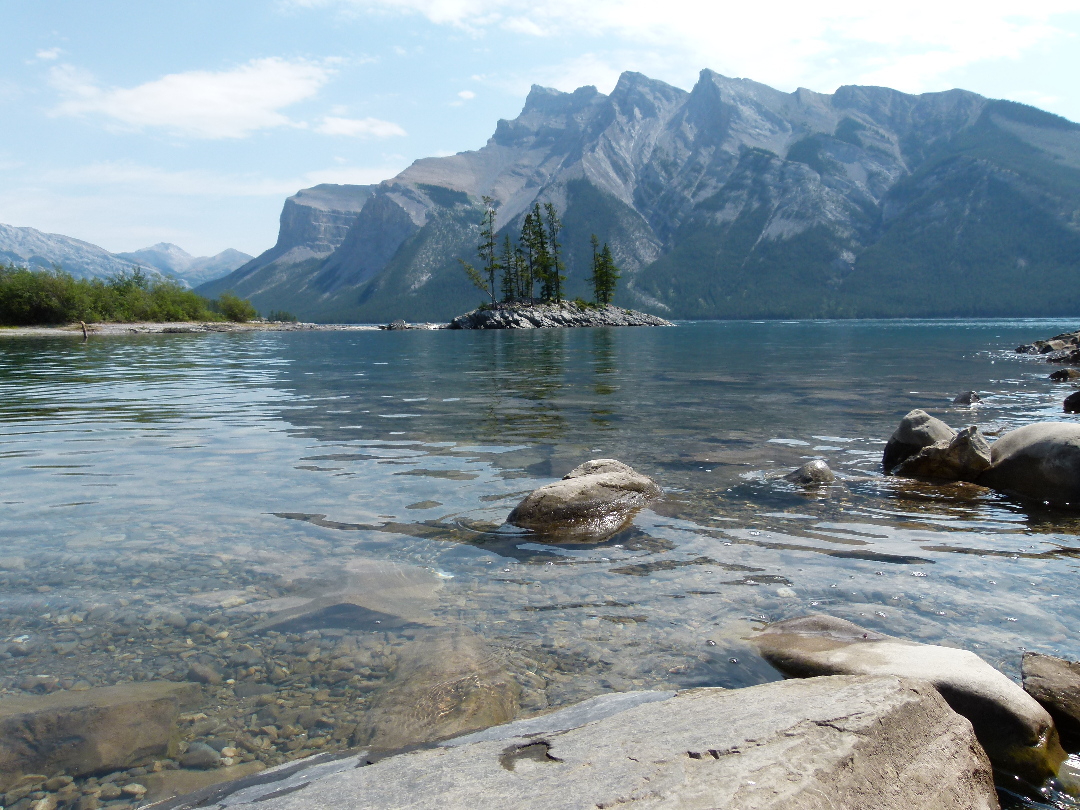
1040 461
812 473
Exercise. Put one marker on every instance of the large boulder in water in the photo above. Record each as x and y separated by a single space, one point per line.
964 458
813 473
1018 734
1040 461
1055 683
917 430
591 502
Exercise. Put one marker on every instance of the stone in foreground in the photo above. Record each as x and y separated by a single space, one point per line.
819 744
82 733
1055 683
1040 461
590 503
917 430
1017 733
549 316
813 473
964 458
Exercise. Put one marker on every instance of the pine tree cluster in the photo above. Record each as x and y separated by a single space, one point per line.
534 264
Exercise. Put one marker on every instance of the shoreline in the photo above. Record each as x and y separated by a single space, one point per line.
190 328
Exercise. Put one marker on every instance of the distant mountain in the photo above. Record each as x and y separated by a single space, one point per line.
314 223
177 262
29 247
734 200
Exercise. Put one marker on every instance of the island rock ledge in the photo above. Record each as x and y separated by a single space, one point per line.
549 316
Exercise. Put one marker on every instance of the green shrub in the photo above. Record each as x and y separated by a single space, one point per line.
235 308
35 297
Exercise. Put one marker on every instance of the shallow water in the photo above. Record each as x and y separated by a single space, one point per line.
146 477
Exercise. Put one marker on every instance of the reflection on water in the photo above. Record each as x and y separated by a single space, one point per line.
158 492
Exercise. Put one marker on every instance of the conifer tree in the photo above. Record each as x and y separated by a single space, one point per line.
609 276
554 225
487 246
508 262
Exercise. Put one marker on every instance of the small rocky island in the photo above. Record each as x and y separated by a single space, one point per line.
551 315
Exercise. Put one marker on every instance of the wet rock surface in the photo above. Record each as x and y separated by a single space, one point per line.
1055 344
1017 733
547 316
1065 374
821 743
813 473
1039 461
916 430
1072 403
1055 683
963 458
967 399
89 732
591 502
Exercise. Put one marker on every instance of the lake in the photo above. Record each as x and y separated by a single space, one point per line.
300 513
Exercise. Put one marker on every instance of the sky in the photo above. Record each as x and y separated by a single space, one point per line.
127 123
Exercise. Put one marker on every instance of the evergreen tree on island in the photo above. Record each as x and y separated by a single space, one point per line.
535 260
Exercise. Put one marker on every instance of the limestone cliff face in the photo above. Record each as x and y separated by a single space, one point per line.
733 200
314 222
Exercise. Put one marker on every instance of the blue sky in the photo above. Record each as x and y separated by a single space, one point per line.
127 123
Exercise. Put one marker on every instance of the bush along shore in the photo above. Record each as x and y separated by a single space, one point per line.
49 297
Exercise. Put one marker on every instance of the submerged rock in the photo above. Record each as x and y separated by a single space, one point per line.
964 458
545 316
1072 403
811 474
1040 461
967 398
826 743
591 502
917 430
93 731
1055 683
1017 733
444 685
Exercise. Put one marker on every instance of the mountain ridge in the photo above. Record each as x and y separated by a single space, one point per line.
731 200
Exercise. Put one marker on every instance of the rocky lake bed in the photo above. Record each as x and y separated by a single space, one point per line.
399 621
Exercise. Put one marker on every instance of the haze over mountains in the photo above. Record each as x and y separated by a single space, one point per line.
29 247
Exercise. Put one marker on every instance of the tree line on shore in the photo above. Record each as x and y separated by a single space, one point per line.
514 274
34 297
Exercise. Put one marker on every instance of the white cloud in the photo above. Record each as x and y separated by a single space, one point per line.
468 95
200 104
48 54
913 46
359 127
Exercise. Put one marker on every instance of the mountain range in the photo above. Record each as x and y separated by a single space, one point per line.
29 247
733 200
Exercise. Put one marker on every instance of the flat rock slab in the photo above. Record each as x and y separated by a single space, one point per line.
95 731
823 743
1017 733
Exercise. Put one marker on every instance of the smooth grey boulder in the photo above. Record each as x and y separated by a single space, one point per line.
917 430
811 474
591 502
967 399
964 458
95 731
819 744
1055 683
1040 461
1018 734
